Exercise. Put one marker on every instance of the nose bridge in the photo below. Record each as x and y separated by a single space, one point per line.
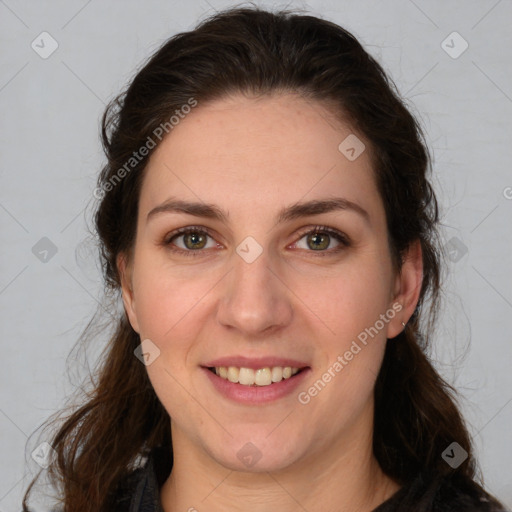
254 299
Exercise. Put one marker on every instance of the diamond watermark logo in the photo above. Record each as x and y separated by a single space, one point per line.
351 147
454 455
454 45
44 45
455 249
43 454
249 454
147 352
249 250
44 250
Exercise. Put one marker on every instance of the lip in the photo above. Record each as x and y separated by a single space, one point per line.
255 362
253 395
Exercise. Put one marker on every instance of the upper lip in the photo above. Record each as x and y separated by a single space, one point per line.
255 362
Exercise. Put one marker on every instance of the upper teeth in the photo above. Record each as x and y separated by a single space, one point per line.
260 377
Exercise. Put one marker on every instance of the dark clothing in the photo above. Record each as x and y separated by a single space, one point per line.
141 493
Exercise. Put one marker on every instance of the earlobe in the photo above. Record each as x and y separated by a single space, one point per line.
125 278
408 285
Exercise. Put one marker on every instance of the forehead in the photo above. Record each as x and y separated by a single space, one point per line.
250 152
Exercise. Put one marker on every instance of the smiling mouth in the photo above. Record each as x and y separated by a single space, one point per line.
260 377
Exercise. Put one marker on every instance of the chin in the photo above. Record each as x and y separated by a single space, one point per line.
272 463
258 452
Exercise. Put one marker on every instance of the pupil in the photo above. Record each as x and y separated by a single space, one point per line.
319 241
195 239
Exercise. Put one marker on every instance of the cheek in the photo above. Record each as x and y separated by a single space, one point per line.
166 303
351 335
347 301
168 311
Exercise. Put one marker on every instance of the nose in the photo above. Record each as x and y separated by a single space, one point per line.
254 298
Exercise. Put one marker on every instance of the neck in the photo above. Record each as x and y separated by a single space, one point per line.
344 477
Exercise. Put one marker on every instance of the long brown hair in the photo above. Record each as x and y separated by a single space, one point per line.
250 50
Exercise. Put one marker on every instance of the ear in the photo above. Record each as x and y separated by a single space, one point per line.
125 275
407 288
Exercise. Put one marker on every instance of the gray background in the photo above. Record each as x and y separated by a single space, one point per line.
50 155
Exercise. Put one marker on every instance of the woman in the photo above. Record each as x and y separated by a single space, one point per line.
267 218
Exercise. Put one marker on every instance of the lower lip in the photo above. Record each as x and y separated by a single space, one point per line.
256 394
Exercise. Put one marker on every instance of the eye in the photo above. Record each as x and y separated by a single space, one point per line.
190 240
321 238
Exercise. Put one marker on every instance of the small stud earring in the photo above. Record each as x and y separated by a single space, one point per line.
403 324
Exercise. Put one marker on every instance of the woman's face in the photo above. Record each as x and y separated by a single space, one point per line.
286 264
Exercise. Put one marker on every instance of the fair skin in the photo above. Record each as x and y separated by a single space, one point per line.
253 157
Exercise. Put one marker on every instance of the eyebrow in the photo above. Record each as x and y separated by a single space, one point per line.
295 211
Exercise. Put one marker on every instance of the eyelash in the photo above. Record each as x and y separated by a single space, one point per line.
343 240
